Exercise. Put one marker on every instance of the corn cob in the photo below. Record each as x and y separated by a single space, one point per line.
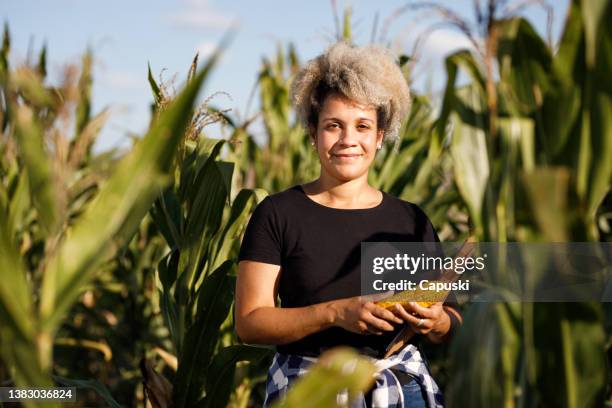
424 298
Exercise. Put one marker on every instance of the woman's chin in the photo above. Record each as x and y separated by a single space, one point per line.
347 174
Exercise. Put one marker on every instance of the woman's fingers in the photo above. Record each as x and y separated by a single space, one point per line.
377 323
364 327
414 307
371 318
385 314
421 324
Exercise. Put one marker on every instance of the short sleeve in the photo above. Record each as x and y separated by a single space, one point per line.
262 239
425 229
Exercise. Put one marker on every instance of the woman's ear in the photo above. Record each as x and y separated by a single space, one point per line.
312 134
380 135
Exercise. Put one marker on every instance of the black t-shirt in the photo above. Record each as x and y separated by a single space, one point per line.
319 250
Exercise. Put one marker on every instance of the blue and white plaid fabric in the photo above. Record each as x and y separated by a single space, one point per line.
287 368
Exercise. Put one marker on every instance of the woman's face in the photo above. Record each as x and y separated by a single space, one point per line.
346 137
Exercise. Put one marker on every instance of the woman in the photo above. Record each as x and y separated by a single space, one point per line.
303 244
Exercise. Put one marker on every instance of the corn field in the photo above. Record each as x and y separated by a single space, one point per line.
117 268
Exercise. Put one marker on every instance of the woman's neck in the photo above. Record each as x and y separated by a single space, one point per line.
355 193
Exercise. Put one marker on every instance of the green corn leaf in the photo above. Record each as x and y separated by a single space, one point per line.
549 199
153 84
95 385
525 66
600 177
242 207
21 356
275 108
17 330
213 305
458 59
28 83
167 215
4 202
491 356
83 109
4 51
81 145
46 196
520 131
226 169
568 61
15 291
198 154
294 60
561 101
167 270
206 203
593 14
220 385
471 166
170 314
19 204
570 353
41 68
346 26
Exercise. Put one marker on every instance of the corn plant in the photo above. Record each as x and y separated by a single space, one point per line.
61 222
202 230
532 159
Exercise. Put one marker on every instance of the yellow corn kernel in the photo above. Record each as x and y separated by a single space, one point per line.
424 298
389 305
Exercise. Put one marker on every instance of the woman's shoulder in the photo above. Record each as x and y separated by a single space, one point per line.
424 228
277 204
405 206
287 196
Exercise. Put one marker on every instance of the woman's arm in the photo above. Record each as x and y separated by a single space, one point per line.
259 321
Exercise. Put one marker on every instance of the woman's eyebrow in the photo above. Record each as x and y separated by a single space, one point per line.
340 120
333 118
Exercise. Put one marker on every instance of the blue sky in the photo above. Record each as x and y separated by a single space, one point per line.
125 35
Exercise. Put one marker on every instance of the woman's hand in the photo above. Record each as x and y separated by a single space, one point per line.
361 315
431 321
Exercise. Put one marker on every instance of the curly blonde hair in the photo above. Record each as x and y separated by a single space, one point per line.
367 75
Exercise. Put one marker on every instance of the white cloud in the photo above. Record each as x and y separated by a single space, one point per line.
442 42
198 14
206 48
123 80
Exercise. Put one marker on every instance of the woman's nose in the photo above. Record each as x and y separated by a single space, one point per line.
348 137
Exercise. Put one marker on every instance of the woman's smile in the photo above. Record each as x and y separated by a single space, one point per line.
348 157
